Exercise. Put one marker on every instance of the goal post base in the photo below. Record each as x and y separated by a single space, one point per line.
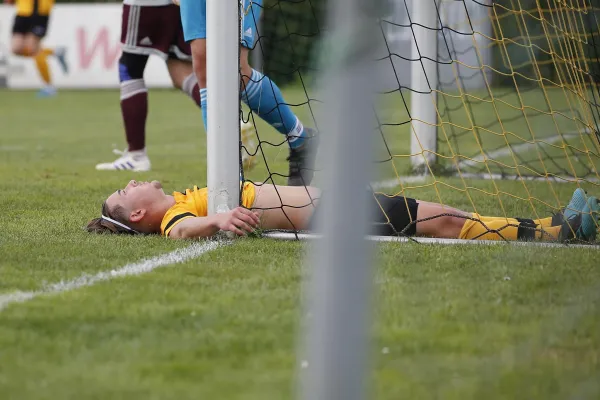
305 236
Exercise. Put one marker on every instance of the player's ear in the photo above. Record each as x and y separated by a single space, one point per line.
137 215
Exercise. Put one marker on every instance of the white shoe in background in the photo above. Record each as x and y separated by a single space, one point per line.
136 161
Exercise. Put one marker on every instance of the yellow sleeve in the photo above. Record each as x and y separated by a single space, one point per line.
25 8
175 215
45 6
248 194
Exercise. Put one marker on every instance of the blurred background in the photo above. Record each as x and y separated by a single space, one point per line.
289 39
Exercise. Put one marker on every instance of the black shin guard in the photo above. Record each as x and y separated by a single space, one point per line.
526 229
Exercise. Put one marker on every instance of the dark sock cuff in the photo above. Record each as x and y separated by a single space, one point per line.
526 229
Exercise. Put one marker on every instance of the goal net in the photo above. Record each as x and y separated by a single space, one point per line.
488 106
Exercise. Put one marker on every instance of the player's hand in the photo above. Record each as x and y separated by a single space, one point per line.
240 221
176 2
9 1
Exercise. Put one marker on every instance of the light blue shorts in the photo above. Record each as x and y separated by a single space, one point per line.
193 19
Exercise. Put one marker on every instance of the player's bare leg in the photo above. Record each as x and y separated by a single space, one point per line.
441 226
285 207
579 220
426 219
293 208
18 47
198 47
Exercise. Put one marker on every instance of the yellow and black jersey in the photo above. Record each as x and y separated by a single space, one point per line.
194 203
28 8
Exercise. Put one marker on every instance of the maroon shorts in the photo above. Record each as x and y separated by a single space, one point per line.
154 30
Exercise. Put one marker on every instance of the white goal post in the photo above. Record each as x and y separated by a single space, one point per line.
336 338
450 50
424 82
223 143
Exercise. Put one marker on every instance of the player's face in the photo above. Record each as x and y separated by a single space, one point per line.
136 195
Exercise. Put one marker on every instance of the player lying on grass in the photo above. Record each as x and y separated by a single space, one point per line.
143 207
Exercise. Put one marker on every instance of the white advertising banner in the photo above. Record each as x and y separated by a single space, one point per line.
91 34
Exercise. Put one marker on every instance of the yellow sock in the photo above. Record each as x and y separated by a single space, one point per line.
544 222
41 61
508 229
548 233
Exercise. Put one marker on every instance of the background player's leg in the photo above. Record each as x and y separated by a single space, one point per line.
38 28
193 23
199 63
134 99
195 86
183 78
17 44
134 109
21 45
264 97
40 56
28 45
31 46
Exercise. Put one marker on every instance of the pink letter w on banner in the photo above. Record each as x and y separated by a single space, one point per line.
101 43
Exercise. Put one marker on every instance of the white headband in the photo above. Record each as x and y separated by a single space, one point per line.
104 217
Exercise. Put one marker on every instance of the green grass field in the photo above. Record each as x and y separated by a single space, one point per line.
450 322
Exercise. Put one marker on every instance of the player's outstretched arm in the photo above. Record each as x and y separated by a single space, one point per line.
240 221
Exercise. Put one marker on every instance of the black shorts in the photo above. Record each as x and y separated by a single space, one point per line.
154 30
391 215
35 24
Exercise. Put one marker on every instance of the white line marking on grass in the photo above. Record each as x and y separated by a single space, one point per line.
12 148
517 148
479 160
138 268
554 179
395 182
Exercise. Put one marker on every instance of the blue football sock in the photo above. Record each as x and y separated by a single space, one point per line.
203 103
264 98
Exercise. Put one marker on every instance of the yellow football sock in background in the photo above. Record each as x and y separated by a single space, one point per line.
41 61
